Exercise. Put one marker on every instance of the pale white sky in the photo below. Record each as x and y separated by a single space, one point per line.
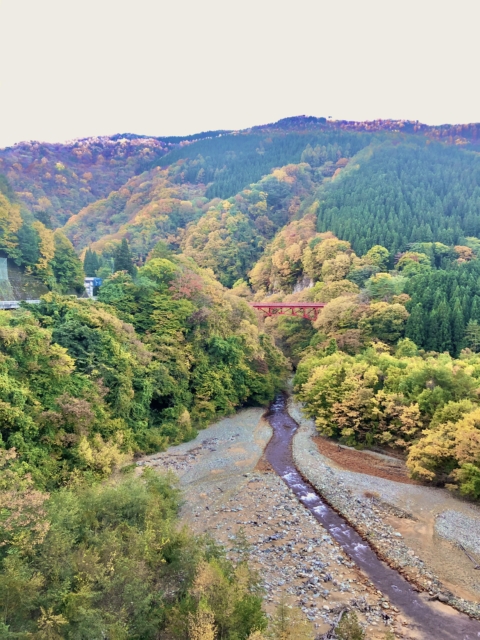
75 68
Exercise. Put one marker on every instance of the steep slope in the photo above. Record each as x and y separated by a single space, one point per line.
149 207
231 162
392 193
161 202
59 179
33 255
382 182
233 233
403 193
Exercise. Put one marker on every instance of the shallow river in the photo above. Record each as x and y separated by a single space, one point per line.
430 621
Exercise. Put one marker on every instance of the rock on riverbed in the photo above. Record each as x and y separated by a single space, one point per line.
227 489
368 502
295 556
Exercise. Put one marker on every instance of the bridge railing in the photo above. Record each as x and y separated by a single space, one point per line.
307 310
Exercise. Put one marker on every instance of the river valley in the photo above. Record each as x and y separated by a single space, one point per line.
240 476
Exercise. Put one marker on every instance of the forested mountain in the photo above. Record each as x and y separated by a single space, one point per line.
148 208
60 179
379 221
388 183
56 182
233 233
231 162
405 193
32 248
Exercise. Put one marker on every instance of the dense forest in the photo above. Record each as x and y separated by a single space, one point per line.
87 551
148 208
154 359
380 221
222 198
231 162
112 180
30 243
60 179
393 359
404 194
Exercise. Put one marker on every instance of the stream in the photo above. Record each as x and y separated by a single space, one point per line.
432 620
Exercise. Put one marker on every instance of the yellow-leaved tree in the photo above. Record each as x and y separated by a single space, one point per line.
47 252
450 452
10 223
289 623
201 624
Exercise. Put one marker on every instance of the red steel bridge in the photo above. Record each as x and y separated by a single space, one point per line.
307 310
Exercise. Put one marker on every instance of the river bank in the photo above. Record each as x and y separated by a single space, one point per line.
417 529
231 493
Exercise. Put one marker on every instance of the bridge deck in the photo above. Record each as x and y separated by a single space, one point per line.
307 310
289 305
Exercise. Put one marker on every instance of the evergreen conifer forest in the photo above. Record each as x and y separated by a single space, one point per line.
380 221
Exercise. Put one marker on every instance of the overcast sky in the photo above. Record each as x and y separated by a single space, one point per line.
76 68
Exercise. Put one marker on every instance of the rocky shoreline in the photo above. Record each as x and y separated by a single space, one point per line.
231 494
367 513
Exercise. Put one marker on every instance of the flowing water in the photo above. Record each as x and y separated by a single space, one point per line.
431 622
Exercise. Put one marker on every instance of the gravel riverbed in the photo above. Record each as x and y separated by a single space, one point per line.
379 509
228 488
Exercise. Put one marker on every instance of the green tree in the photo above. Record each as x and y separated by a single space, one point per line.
289 623
45 218
444 331
384 321
475 308
378 256
160 250
28 243
472 335
66 265
91 263
383 286
349 628
458 327
415 327
123 260
406 348
432 341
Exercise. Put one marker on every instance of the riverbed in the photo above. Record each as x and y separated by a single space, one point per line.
228 486
417 528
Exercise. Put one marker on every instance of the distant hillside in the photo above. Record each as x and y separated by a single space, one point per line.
149 207
229 163
61 179
384 182
32 256
451 133
403 193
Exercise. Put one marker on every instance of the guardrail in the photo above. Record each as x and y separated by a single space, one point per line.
6 305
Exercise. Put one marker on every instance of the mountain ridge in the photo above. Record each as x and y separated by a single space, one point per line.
56 176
